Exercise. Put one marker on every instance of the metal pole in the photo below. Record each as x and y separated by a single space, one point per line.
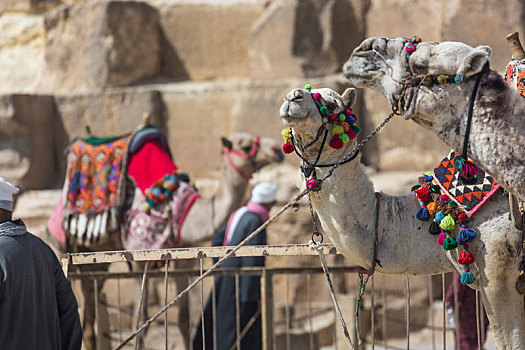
202 308
431 303
97 315
456 310
383 301
372 306
309 289
443 289
141 301
237 312
408 312
119 312
166 264
287 324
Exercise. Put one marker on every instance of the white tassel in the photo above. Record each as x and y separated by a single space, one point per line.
104 224
81 225
73 225
96 230
90 227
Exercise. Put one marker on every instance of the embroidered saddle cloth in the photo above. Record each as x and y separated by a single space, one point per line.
515 75
94 186
469 197
161 226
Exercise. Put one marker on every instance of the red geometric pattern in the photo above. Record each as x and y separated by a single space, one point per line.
469 197
94 175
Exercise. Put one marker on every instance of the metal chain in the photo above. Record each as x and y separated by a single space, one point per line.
395 111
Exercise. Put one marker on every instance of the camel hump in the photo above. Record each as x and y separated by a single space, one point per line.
146 135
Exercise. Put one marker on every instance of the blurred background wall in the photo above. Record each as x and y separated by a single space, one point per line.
206 68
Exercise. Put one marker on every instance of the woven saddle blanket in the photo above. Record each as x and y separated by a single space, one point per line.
469 197
94 190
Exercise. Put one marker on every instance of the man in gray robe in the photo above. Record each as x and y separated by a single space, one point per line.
38 309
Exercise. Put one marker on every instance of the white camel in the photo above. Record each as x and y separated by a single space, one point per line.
496 137
346 208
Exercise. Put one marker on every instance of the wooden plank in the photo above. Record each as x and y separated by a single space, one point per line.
198 252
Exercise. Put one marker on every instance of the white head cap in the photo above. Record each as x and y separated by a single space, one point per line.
264 192
6 194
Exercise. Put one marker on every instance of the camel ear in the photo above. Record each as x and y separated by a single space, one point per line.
226 143
349 97
473 62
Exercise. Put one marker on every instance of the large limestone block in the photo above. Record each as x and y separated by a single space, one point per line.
207 39
109 114
402 144
27 5
21 51
200 113
304 38
101 44
485 22
393 18
31 141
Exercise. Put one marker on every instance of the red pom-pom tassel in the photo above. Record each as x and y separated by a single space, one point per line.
465 258
336 142
287 147
423 194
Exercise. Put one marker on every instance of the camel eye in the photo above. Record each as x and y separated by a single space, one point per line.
246 149
297 98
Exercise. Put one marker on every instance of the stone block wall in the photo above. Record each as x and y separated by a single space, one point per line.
204 69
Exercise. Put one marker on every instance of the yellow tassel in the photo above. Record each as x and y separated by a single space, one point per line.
336 130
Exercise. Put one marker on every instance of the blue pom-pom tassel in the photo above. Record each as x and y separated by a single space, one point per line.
350 120
465 235
423 214
439 216
467 277
428 178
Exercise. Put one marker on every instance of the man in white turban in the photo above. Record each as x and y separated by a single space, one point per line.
242 223
38 309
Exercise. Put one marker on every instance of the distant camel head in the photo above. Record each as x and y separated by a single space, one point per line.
383 64
248 153
302 112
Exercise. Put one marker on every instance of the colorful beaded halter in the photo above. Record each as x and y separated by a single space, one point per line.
340 126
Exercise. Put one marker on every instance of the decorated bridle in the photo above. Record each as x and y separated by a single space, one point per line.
342 128
248 156
468 170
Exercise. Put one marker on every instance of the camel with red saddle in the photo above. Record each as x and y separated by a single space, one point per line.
130 195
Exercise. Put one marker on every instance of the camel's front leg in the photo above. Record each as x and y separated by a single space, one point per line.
504 305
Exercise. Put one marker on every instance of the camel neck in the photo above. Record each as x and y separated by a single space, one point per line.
228 196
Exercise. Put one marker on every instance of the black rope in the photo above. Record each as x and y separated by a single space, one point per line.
311 166
471 109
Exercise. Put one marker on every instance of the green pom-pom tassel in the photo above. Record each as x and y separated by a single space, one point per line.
453 204
449 243
342 117
459 162
323 110
355 129
308 87
447 223
415 187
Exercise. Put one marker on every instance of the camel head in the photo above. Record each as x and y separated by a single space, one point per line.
247 153
385 64
308 113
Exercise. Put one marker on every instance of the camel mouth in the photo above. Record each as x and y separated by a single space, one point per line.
290 120
408 102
